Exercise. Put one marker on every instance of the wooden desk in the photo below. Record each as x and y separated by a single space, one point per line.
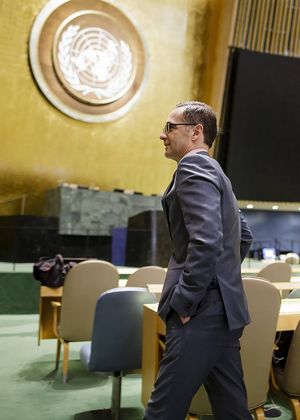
47 294
255 270
156 289
154 329
289 314
287 285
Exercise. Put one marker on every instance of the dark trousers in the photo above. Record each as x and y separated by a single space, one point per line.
202 351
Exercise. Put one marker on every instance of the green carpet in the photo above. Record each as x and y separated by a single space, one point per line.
31 390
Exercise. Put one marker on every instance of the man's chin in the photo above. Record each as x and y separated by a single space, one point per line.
170 156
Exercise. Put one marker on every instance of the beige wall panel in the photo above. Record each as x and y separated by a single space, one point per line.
41 147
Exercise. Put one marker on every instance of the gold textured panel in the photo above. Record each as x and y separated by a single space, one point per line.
41 147
262 26
271 10
270 26
296 28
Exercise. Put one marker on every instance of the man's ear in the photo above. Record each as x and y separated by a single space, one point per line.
198 132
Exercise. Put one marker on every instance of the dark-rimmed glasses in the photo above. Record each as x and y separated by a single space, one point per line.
169 126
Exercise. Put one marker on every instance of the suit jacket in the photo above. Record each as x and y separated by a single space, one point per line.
210 239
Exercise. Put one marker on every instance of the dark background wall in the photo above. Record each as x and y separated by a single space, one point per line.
260 145
275 229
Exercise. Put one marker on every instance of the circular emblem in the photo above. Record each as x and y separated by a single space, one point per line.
89 62
96 67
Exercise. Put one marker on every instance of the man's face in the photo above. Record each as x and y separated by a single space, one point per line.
177 141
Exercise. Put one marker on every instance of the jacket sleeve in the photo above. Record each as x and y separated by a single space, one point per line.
246 237
199 196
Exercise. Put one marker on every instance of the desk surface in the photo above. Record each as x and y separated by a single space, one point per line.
254 271
287 285
157 288
290 306
289 315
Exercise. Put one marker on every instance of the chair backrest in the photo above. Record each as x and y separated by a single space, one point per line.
117 332
151 274
292 258
256 344
83 284
277 271
291 377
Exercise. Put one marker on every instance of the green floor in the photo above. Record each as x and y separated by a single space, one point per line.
30 389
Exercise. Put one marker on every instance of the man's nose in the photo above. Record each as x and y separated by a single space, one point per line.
163 135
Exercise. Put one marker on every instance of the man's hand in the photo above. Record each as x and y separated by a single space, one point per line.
185 319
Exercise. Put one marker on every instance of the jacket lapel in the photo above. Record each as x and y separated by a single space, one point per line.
164 199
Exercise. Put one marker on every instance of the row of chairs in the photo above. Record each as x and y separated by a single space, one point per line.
109 349
73 317
84 283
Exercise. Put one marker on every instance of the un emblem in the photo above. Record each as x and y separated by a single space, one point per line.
89 62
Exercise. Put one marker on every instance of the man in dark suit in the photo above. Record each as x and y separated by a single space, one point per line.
203 301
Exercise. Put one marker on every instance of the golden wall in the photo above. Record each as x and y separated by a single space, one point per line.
186 42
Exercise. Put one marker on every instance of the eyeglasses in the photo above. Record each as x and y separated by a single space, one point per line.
169 126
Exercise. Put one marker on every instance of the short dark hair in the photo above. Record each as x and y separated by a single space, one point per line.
201 113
